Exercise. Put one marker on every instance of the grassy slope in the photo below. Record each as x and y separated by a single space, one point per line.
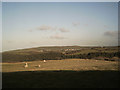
61 79
57 48
58 79
66 64
22 54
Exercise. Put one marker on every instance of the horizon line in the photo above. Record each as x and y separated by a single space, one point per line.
60 46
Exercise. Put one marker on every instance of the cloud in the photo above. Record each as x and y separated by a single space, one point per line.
10 41
33 42
63 30
111 33
30 30
86 24
57 36
105 26
75 23
45 27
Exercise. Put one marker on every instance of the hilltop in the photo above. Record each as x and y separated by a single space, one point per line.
60 52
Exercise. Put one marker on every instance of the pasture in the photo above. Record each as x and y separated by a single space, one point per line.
66 64
68 73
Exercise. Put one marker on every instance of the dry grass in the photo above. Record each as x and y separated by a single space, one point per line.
67 64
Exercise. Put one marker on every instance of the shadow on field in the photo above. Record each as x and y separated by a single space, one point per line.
60 79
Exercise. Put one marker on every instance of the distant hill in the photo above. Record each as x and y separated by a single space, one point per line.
58 52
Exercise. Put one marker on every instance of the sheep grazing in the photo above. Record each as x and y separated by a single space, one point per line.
44 61
26 65
38 65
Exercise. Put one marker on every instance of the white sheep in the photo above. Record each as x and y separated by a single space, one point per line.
44 61
38 65
26 65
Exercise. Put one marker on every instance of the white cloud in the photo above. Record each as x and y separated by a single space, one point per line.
111 33
30 30
63 30
9 41
33 42
75 23
57 36
45 27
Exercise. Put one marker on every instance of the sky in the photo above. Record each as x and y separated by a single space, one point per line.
60 0
35 24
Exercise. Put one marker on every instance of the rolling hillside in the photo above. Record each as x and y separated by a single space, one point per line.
60 52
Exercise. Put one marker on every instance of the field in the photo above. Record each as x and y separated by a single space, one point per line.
65 67
61 79
66 64
69 73
61 52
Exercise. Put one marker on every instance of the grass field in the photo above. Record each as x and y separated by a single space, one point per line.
66 64
60 79
68 73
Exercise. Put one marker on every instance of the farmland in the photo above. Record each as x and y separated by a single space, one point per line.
66 64
65 67
61 52
61 79
68 73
